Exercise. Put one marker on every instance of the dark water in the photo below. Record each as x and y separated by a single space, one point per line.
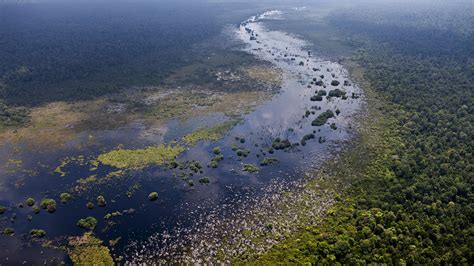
180 206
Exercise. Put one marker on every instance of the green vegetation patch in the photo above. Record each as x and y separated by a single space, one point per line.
88 223
88 250
208 133
141 158
322 118
37 233
250 168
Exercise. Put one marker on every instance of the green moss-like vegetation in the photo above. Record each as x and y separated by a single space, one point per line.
242 152
208 133
49 204
268 161
204 180
306 138
36 209
216 150
153 196
88 250
65 197
336 93
140 158
279 144
250 168
322 118
215 161
30 202
8 231
37 233
90 205
88 223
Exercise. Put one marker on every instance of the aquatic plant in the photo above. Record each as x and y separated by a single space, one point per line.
101 202
140 158
306 138
250 168
322 118
153 196
316 98
322 93
215 161
336 93
3 209
65 197
37 233
109 216
8 231
90 205
36 209
279 144
243 152
88 250
216 150
268 161
322 139
49 204
30 202
88 223
208 133
204 180
195 166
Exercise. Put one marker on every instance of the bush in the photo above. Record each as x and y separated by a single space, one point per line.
322 118
48 204
30 202
65 197
153 196
37 233
204 180
90 205
88 223
335 83
216 150
336 93
316 98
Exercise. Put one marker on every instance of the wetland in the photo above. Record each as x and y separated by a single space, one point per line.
197 161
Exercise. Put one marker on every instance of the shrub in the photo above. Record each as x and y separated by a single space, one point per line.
37 233
88 223
30 202
204 180
65 197
153 196
216 150
322 118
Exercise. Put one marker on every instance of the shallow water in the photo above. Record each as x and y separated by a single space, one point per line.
181 210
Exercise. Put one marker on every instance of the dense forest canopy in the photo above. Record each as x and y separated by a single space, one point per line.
413 201
74 50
